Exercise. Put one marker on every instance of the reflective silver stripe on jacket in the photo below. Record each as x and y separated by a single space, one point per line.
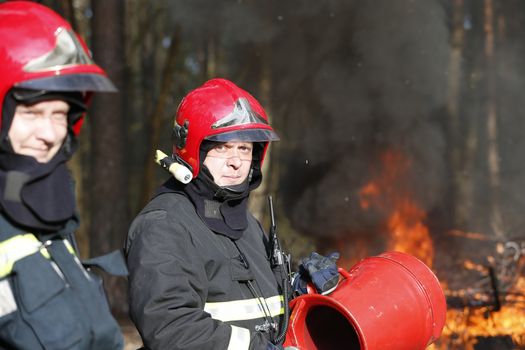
20 246
16 248
239 339
246 309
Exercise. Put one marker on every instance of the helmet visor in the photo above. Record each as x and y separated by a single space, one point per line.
70 82
249 135
28 97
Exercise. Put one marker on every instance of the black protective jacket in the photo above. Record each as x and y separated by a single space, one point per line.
191 288
48 300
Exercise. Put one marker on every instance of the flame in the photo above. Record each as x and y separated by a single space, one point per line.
465 325
368 191
389 193
409 233
481 317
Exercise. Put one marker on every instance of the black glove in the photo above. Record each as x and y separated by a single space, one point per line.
320 270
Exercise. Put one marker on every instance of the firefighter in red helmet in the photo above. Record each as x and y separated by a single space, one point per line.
48 300
201 270
219 111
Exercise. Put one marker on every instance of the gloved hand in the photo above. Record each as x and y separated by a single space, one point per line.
320 270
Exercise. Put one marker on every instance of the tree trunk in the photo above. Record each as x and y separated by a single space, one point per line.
157 119
107 184
460 210
496 220
258 198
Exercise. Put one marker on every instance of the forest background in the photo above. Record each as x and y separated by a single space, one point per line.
425 97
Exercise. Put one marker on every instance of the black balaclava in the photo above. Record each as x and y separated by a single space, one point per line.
224 209
37 196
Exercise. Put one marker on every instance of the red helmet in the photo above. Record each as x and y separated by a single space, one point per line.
40 51
218 111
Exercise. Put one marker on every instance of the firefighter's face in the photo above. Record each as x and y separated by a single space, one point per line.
39 130
229 163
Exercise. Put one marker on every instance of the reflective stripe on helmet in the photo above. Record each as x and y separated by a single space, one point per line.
242 114
239 339
20 246
245 309
67 51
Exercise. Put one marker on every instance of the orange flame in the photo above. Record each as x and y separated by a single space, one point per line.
465 326
388 192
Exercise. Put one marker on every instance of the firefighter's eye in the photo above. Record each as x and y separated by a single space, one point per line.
220 148
245 149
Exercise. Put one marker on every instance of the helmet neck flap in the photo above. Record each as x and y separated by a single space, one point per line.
223 209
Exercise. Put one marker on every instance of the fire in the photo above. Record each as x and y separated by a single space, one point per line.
389 193
464 326
474 314
483 316
409 233
368 191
